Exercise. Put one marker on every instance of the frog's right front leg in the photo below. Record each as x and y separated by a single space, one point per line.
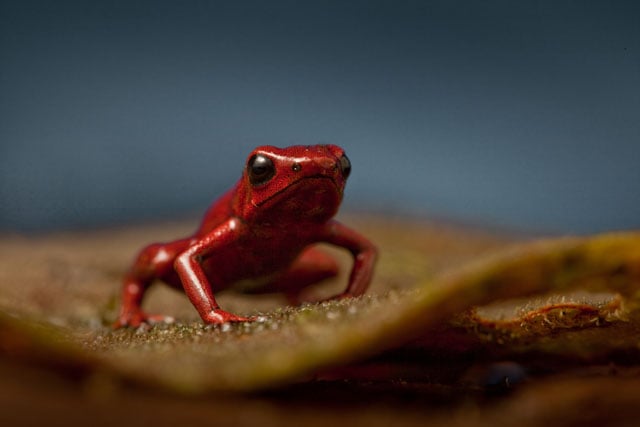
194 280
153 262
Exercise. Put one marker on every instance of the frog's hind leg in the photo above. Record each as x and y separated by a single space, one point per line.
153 262
312 266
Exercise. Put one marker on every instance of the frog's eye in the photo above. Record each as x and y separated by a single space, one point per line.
345 166
260 169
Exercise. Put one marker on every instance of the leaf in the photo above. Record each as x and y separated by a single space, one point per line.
435 278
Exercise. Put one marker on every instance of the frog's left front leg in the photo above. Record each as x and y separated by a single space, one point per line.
363 251
195 282
153 262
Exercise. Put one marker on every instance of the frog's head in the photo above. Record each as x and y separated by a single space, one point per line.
297 182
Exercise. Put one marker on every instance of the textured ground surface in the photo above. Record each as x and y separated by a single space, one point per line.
459 328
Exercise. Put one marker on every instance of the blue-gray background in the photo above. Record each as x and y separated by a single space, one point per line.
521 114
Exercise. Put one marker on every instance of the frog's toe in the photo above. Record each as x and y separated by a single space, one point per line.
218 316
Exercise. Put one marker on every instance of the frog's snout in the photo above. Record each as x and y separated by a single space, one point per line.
327 164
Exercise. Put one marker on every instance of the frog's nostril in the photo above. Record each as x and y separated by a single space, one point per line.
326 163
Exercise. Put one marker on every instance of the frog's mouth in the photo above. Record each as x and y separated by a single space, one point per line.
309 190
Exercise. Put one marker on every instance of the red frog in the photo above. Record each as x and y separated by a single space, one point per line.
257 237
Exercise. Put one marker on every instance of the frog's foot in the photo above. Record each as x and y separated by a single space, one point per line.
218 316
139 318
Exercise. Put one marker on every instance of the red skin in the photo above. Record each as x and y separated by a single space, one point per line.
256 238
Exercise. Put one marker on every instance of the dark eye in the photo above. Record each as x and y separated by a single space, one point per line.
260 169
345 166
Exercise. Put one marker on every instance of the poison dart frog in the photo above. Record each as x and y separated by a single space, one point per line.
258 237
